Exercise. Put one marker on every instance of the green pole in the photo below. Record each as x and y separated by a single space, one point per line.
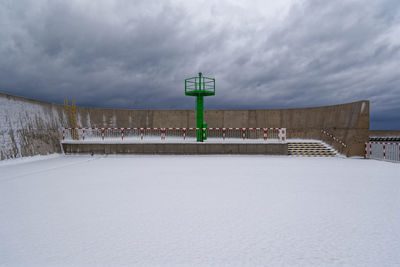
199 109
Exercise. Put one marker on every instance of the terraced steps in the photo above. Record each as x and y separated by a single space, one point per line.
314 149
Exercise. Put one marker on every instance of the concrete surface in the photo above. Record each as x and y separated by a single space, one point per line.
176 149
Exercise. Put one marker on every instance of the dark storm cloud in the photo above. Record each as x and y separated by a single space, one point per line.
136 54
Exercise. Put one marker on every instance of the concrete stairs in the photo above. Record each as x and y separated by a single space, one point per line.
314 149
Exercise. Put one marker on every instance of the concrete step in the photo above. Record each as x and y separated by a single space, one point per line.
310 150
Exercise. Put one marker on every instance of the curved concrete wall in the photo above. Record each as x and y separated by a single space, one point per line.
30 127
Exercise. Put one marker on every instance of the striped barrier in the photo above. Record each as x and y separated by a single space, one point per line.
334 138
314 149
178 134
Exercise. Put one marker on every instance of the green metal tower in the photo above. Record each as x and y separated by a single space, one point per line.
200 87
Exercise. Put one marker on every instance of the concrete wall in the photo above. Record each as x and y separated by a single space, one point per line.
177 149
348 122
30 127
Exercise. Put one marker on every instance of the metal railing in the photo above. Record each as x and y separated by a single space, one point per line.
383 151
174 134
200 83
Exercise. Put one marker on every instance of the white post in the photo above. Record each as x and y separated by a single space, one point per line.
283 135
384 150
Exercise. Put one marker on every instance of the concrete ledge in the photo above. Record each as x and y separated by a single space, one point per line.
177 149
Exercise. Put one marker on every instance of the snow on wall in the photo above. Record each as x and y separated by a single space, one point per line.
29 127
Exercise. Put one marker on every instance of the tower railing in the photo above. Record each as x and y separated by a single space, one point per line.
200 84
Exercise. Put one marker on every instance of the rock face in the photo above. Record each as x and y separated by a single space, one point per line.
29 127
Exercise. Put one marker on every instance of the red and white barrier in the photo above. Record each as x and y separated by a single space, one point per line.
333 137
183 134
383 151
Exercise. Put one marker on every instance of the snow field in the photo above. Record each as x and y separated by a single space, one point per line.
199 210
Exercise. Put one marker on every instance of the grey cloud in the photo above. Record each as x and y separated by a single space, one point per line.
136 54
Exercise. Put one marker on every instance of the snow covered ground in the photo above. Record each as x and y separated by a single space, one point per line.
199 210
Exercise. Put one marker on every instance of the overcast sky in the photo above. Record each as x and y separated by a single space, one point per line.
263 54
